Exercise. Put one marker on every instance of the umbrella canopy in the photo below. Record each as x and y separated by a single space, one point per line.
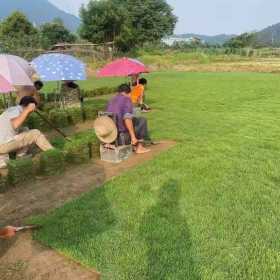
59 67
122 68
15 70
5 86
25 65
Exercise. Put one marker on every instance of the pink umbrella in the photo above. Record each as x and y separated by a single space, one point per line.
122 68
5 86
14 70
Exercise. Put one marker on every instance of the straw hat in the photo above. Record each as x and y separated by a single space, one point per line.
106 130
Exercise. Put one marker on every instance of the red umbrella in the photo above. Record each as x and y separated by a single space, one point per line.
123 67
5 86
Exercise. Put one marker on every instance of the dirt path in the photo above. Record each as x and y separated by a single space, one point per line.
24 259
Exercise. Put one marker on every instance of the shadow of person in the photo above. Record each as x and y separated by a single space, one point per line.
168 241
77 225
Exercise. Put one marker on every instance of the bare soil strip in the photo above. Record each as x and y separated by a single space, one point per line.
24 259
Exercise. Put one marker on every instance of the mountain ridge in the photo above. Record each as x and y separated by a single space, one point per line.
270 35
39 12
219 39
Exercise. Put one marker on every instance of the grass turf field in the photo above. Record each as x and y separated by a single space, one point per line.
207 209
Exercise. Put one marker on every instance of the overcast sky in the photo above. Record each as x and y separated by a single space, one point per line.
212 16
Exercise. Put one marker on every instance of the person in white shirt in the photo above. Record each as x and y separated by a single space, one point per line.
12 141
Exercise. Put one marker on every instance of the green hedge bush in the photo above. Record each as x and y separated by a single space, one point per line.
53 96
75 115
36 122
49 97
3 183
77 152
58 142
98 92
62 117
81 148
59 118
90 112
47 107
20 170
52 162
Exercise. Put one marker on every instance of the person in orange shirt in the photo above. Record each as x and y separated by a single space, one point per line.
137 95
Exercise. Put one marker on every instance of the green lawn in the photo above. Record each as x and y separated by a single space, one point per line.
207 209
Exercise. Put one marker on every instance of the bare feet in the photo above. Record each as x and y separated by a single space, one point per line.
141 149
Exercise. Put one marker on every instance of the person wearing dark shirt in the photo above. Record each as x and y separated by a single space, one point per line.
136 128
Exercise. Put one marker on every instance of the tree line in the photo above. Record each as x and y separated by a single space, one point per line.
127 23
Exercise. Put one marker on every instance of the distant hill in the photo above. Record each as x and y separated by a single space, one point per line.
38 12
269 36
212 40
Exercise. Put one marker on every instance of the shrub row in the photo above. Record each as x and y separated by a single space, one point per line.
98 92
80 149
52 97
61 117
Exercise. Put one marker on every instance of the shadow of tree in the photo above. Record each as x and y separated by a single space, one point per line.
167 238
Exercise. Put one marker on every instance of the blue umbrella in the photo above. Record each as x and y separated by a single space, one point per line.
59 67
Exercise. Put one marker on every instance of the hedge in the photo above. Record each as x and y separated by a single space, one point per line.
36 122
98 92
52 162
75 115
54 96
19 171
3 183
59 118
80 149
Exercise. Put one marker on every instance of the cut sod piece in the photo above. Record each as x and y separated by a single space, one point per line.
52 162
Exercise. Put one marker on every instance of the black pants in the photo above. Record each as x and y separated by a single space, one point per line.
141 130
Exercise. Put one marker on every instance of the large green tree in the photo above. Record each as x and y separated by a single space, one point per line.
105 21
126 22
16 31
16 25
55 32
151 19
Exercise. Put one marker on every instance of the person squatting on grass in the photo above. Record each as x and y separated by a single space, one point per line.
10 138
136 128
138 95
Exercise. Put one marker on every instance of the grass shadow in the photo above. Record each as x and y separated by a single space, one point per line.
167 238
